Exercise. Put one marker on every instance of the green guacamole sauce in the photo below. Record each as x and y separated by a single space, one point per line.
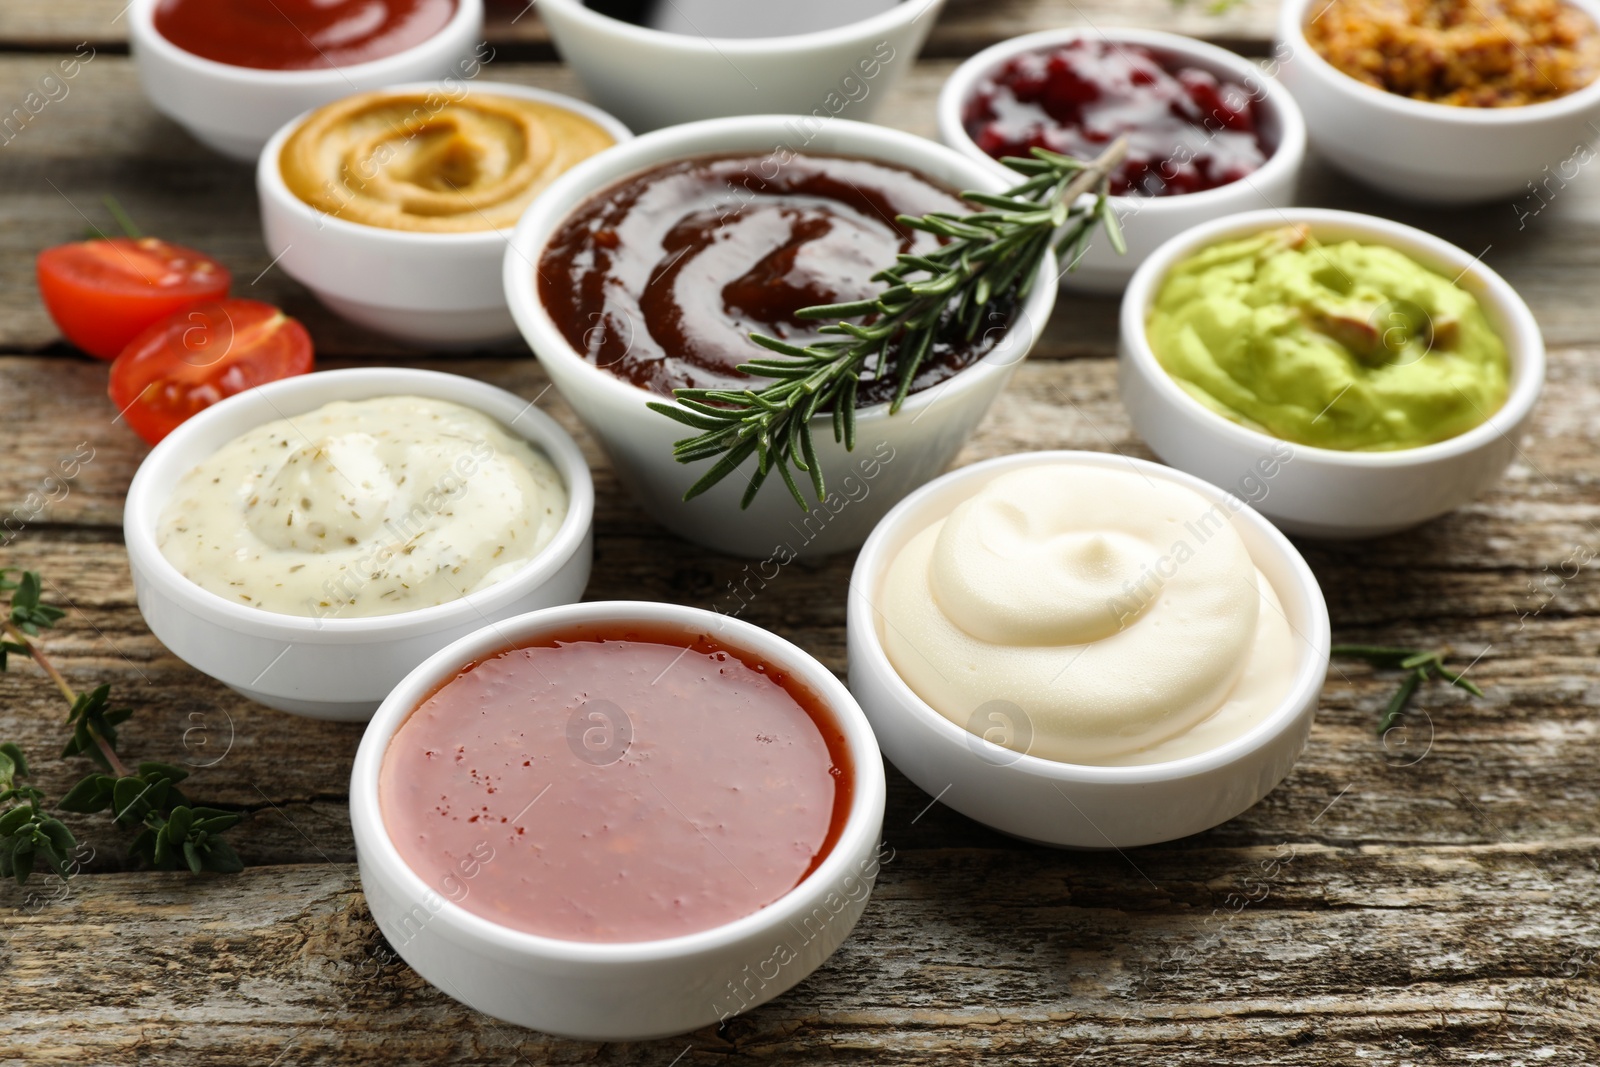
1347 346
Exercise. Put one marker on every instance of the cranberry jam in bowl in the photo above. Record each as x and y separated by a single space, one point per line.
618 821
1209 132
647 269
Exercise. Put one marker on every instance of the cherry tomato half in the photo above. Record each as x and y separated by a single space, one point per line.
197 357
103 293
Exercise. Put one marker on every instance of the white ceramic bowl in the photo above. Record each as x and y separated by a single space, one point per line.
338 668
1066 804
618 991
1324 492
652 78
1429 152
235 109
433 289
1147 221
893 454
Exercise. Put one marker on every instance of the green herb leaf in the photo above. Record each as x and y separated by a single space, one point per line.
1397 703
88 796
28 614
151 770
129 800
1113 228
1421 665
124 220
179 822
60 837
216 824
8 647
149 798
15 820
90 718
220 857
988 256
13 764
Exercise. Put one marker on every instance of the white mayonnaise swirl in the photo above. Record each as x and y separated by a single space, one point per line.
362 508
1120 615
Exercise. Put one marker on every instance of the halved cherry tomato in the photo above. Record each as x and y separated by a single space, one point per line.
103 293
195 358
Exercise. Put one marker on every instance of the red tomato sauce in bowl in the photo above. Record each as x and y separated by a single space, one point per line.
616 783
300 34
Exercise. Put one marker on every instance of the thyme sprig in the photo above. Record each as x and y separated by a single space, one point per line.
1420 666
989 254
172 832
27 834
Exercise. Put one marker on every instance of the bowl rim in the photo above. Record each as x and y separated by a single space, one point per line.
271 186
1287 155
1314 633
306 392
1518 330
142 30
1291 33
862 827
646 151
905 12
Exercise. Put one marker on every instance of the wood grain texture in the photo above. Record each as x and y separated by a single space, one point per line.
1463 581
514 25
1431 900
103 139
1417 954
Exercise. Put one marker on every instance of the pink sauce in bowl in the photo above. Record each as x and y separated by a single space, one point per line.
616 783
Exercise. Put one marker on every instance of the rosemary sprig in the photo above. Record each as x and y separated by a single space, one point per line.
1420 665
172 832
990 254
122 218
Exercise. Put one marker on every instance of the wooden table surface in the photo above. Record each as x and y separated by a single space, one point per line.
1432 902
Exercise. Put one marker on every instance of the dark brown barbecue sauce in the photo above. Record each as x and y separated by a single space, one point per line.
661 278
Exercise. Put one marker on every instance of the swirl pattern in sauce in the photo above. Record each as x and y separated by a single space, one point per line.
424 161
661 278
